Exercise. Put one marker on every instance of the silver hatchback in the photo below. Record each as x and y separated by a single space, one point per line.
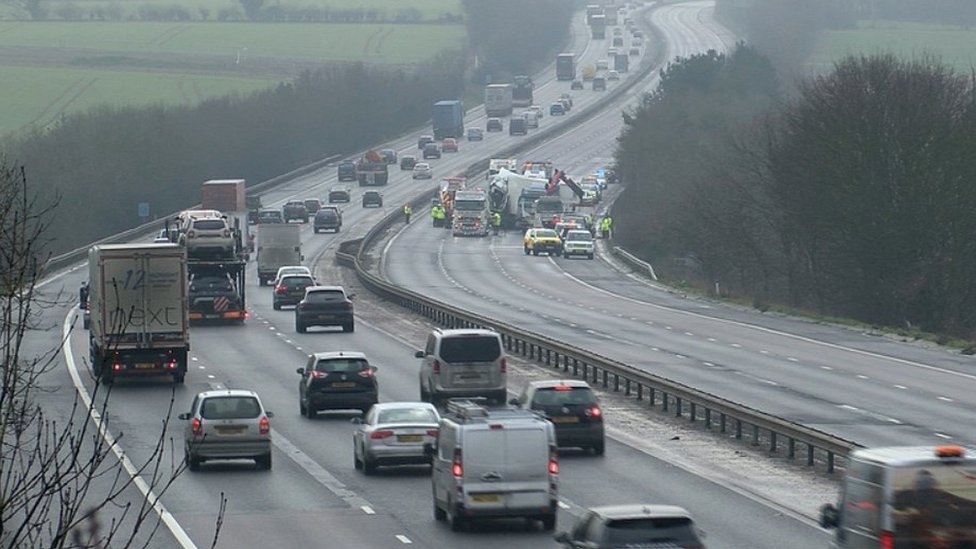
394 433
227 424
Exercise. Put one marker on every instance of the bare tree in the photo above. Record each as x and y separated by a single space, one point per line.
58 473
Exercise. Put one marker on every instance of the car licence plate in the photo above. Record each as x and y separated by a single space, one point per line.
410 438
145 365
230 430
486 498
343 384
325 317
564 419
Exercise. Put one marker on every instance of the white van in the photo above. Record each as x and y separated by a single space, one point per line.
463 363
493 462
906 497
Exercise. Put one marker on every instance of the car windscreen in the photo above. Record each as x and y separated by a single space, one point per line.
545 234
579 236
211 283
469 205
230 407
325 296
678 530
209 224
407 415
470 348
341 365
561 396
297 281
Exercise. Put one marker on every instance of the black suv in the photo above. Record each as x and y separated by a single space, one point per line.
313 205
329 218
407 162
424 140
270 217
431 150
290 290
337 380
372 198
294 209
339 193
494 125
572 408
347 171
324 306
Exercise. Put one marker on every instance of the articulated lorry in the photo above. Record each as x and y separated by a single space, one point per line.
372 169
278 245
471 213
509 194
498 99
138 305
598 26
496 165
448 119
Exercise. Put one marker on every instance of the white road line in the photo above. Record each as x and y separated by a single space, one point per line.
562 505
902 387
862 376
826 368
319 473
403 539
945 399
774 331
792 359
164 515
763 351
943 435
736 345
368 510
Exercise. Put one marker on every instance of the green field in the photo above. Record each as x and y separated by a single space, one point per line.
37 96
952 45
52 68
378 43
386 9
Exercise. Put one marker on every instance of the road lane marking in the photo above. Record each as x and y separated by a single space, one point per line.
147 492
368 510
943 435
945 399
403 539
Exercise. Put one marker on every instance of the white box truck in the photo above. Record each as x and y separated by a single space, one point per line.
278 245
138 301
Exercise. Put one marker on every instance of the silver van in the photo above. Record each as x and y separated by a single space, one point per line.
492 462
916 496
463 363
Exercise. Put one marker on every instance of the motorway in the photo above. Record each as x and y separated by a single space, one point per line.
313 496
868 389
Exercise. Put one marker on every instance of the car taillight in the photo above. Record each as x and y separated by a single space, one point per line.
594 413
504 365
553 461
116 366
316 373
366 373
887 540
346 306
172 364
381 434
457 468
264 426
436 367
432 432
281 289
196 427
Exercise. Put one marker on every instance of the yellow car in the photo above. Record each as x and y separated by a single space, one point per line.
537 240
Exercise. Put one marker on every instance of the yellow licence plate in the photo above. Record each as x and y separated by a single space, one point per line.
486 498
343 384
230 430
564 419
145 365
410 438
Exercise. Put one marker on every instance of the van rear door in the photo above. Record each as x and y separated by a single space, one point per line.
506 467
471 361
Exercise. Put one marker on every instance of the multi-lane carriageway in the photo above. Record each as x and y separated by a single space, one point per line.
313 497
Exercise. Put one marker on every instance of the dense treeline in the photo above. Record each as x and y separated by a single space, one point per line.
104 162
513 36
854 197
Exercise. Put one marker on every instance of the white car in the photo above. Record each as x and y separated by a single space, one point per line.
602 64
291 270
578 242
536 109
613 75
227 424
422 171
394 433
